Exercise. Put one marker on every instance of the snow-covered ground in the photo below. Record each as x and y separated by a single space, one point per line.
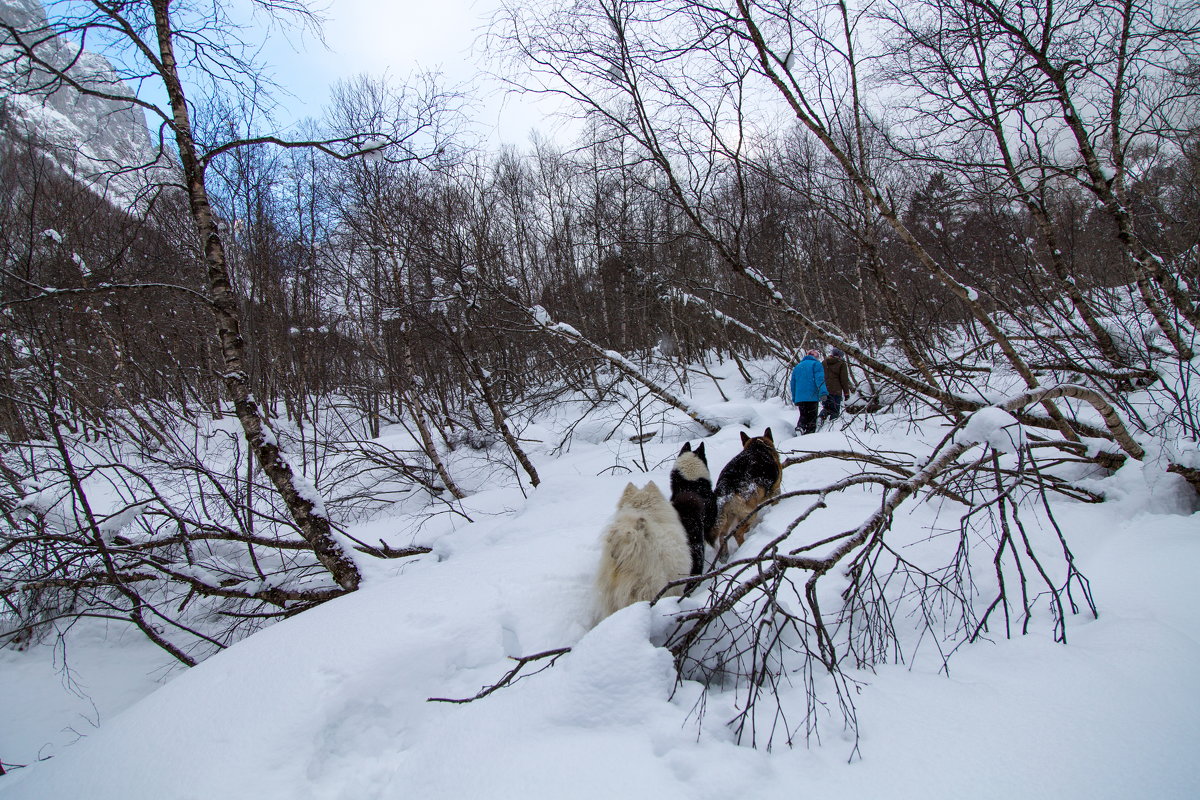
333 703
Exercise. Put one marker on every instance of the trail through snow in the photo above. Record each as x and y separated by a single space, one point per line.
333 703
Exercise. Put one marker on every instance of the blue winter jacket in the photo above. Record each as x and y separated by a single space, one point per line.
808 381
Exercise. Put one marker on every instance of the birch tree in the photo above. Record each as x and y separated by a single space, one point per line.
187 49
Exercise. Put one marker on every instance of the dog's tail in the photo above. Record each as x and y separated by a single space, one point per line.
735 520
629 546
636 566
726 519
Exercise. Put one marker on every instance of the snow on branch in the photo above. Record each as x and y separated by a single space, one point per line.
774 345
542 319
1112 419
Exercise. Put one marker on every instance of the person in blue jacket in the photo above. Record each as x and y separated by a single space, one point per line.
808 390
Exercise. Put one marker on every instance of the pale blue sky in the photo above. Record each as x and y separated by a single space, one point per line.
399 38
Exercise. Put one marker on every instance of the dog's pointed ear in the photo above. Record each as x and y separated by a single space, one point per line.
745 438
630 491
700 453
651 489
767 435
687 448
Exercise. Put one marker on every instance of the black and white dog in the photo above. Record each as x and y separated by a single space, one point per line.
694 500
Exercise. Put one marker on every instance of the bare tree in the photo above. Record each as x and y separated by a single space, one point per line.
170 43
698 91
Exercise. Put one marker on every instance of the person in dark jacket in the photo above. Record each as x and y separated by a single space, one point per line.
808 389
837 381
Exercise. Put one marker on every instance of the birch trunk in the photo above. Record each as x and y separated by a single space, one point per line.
303 504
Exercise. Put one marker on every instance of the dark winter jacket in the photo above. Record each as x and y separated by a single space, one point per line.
837 376
808 381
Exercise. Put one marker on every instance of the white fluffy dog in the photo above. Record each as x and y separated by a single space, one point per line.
645 548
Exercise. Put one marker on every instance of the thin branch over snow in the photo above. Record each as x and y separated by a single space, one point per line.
541 318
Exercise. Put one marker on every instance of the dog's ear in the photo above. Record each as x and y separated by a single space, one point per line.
745 438
687 448
767 436
651 490
630 491
700 453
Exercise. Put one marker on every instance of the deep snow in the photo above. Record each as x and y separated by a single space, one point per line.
332 704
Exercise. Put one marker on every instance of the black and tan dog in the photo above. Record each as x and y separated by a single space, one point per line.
750 478
694 500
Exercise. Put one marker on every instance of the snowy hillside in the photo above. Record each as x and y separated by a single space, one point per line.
94 139
334 703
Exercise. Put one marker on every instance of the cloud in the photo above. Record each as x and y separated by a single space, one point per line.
379 37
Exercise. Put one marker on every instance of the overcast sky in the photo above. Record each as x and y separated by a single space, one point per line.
399 38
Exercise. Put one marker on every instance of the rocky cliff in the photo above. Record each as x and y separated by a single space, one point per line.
96 140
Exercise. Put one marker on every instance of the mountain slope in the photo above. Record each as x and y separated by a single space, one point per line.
95 140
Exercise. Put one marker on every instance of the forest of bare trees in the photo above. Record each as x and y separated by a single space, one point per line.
983 203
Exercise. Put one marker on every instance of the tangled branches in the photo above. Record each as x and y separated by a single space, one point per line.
153 536
797 618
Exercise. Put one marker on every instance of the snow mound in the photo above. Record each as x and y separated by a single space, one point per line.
994 427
